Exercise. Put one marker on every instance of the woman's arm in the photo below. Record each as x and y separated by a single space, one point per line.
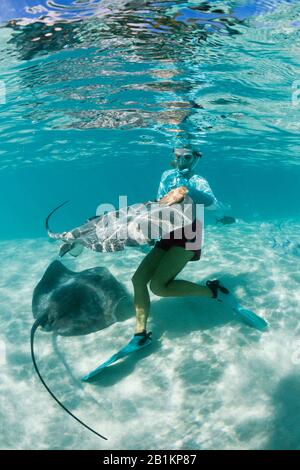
162 190
201 193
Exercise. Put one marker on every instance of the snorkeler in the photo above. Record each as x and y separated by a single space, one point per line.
180 243
169 256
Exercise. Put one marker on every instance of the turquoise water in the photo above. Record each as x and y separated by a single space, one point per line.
97 95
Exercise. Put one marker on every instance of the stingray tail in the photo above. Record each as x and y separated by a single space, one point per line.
57 236
41 322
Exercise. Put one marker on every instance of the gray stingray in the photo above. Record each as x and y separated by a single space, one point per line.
78 303
226 220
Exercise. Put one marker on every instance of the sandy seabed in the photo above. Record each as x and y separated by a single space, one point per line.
207 382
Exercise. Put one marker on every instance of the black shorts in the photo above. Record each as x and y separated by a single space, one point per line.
166 243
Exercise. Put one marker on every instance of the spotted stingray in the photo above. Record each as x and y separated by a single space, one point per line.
134 225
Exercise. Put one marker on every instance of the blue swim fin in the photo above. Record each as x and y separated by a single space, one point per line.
250 318
222 294
137 342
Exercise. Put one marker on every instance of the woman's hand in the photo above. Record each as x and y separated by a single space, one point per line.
174 196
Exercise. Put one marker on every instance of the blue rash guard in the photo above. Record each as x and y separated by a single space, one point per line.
199 189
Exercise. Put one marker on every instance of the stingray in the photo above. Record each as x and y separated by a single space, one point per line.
75 303
138 224
225 220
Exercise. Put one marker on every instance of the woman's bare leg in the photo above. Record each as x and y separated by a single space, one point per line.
140 280
163 283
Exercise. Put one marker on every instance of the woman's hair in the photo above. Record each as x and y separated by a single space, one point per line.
197 153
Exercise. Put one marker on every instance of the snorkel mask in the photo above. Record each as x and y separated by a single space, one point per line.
185 159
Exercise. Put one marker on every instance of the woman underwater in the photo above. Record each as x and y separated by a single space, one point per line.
169 256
